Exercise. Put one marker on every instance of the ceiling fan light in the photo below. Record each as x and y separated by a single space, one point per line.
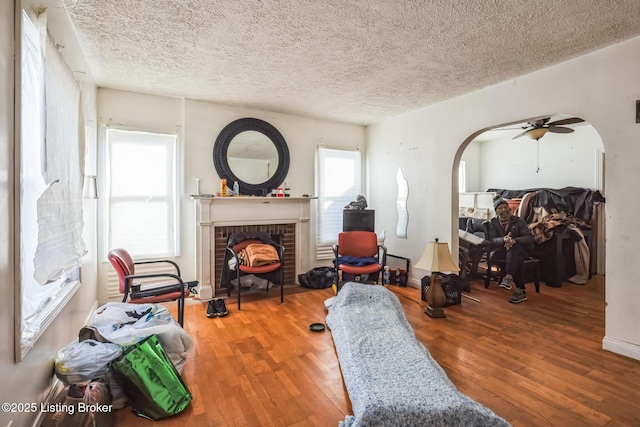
537 133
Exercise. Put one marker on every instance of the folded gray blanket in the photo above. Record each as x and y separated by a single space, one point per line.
391 378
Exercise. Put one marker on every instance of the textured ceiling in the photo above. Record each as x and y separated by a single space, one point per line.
352 61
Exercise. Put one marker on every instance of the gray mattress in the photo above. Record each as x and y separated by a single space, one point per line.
391 378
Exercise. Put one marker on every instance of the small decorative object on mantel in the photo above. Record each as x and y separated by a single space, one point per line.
359 203
223 187
437 259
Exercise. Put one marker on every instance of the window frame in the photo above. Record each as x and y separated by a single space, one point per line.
59 292
104 186
462 176
323 246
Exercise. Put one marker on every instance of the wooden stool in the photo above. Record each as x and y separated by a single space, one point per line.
529 263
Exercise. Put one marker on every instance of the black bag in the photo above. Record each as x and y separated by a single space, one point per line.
452 285
318 278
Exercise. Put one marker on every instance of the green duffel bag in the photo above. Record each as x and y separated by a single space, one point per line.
150 381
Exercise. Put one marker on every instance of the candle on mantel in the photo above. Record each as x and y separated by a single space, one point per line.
197 186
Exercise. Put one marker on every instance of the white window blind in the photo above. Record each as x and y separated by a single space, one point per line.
142 193
339 177
60 221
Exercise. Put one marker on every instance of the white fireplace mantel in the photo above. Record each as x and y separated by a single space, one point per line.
214 212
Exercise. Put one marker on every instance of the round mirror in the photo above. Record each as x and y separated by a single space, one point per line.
252 157
252 152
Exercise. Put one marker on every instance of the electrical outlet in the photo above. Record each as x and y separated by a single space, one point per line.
638 111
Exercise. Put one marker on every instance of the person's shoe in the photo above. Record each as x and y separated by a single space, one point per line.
507 282
518 296
211 309
221 308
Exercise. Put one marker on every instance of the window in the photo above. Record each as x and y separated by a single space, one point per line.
50 221
142 214
339 181
462 177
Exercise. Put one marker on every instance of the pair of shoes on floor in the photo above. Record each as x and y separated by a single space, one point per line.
507 282
518 296
217 308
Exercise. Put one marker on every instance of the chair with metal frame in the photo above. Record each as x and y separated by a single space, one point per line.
236 243
358 254
173 289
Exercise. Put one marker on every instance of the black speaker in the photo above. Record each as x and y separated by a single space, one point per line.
358 220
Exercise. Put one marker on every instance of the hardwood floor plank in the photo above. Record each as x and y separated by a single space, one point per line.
539 363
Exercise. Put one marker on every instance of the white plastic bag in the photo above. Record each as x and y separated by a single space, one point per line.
126 324
85 360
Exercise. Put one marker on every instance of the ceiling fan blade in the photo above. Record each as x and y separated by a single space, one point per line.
558 129
522 134
538 123
569 121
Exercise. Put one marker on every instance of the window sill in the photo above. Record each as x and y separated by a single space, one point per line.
30 334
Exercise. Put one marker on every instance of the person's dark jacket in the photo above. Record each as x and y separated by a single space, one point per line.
518 229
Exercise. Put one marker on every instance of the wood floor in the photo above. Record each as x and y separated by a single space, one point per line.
538 363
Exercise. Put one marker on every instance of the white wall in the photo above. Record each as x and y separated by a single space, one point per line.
600 87
27 381
200 123
555 161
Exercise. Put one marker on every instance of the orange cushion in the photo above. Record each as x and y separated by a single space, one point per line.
260 269
358 243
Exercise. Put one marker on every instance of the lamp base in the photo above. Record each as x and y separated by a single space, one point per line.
434 312
436 299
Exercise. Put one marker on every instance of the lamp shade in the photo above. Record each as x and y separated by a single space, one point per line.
537 133
437 258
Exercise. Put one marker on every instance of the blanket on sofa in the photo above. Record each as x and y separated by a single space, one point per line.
391 378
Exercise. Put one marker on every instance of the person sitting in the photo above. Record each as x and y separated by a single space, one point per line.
509 238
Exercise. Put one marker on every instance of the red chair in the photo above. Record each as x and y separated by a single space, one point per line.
239 241
174 289
358 253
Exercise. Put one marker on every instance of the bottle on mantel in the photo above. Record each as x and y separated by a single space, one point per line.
236 188
287 190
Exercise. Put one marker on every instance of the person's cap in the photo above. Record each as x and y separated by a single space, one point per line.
498 201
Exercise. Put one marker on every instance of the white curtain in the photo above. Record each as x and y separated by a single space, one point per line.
60 222
50 181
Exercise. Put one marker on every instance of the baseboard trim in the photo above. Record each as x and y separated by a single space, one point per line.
92 310
56 385
414 283
54 388
621 347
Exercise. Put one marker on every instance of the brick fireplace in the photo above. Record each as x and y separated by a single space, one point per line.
284 234
218 217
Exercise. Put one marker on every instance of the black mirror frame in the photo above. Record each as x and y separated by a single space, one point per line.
221 147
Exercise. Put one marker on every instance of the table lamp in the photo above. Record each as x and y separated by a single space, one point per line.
437 259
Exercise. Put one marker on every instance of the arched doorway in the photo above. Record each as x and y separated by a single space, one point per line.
507 157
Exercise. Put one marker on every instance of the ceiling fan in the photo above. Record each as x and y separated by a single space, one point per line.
538 128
